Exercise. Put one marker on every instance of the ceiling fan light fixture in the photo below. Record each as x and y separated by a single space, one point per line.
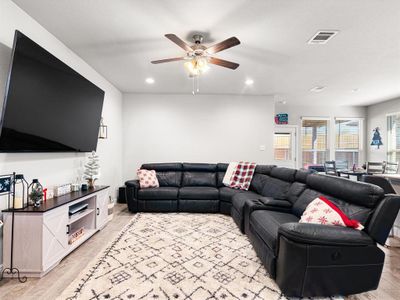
196 66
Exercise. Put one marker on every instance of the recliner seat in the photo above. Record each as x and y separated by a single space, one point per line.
306 260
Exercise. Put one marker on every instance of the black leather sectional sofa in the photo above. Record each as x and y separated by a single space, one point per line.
305 259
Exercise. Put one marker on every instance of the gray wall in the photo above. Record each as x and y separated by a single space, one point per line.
201 128
377 117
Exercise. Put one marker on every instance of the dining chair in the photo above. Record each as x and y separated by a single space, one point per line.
342 165
391 167
375 167
330 168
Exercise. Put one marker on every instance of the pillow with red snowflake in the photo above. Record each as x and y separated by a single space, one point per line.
147 178
322 211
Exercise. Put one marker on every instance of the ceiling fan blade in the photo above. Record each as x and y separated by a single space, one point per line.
233 41
223 63
160 61
178 41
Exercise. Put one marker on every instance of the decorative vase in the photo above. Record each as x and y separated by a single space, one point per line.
35 192
91 183
36 203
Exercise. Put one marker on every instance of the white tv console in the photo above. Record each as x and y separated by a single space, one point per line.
42 234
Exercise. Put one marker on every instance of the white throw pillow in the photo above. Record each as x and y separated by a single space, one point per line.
323 211
229 173
147 179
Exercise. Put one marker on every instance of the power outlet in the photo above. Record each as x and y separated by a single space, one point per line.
262 147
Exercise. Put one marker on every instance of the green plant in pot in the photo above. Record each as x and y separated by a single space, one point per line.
92 167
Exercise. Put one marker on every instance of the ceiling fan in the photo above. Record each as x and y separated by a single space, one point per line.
198 56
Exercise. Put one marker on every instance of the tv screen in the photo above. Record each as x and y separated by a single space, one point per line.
48 107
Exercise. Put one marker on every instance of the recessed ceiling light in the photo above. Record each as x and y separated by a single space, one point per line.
317 89
149 80
249 82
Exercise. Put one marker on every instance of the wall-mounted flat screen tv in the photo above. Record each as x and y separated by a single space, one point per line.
48 107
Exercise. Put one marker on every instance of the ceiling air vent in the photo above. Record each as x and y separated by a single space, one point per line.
322 37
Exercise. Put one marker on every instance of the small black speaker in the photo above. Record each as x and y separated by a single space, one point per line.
121 195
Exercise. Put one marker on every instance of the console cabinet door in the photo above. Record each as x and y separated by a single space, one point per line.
55 237
102 208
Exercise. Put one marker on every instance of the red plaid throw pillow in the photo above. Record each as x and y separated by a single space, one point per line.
242 176
322 211
147 178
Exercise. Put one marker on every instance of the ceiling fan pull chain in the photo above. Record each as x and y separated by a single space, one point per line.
193 86
198 84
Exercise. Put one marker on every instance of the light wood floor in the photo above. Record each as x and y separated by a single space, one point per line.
50 286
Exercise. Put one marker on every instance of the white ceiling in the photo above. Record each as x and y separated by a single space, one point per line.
119 38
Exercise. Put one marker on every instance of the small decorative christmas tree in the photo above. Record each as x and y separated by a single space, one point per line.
36 195
92 167
376 139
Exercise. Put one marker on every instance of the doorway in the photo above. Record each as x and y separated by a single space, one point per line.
285 146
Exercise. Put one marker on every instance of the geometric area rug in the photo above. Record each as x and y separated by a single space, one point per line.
176 256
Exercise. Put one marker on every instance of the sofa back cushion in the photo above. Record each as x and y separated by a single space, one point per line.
295 190
264 169
285 174
276 188
258 182
276 184
221 169
302 174
356 199
168 174
197 174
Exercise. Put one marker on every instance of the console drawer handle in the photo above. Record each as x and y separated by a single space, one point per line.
98 211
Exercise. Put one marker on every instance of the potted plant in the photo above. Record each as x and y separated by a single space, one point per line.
36 195
92 167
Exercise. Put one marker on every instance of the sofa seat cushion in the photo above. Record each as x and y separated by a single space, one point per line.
159 193
239 199
226 193
266 224
198 193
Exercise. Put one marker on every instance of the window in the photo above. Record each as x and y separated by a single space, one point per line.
314 141
393 154
282 146
347 142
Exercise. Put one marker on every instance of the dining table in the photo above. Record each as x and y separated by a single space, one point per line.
356 173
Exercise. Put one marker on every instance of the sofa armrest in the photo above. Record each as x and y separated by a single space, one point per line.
132 187
383 218
263 203
316 260
133 183
271 202
317 234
